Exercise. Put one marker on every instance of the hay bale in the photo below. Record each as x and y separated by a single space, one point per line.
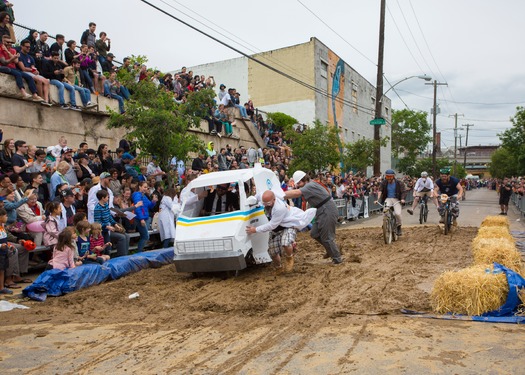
502 251
494 232
495 221
471 291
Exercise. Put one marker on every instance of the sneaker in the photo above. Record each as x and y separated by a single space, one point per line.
213 132
442 220
75 108
26 96
337 261
502 213
219 135
288 263
90 105
6 291
278 270
410 211
43 102
37 99
64 106
399 231
326 256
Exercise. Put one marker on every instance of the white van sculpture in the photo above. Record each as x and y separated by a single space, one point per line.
220 242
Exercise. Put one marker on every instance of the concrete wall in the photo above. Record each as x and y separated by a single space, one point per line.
42 126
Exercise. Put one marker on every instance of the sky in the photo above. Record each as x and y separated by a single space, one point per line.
472 45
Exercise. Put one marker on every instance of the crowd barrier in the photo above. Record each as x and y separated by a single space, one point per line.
519 202
352 209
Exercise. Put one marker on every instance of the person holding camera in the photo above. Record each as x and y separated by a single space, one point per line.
505 191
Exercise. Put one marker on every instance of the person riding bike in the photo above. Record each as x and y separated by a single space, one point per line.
449 185
424 186
393 191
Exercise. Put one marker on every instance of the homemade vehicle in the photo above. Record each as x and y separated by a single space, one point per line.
220 242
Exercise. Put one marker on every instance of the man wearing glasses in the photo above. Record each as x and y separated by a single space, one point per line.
20 163
8 60
220 200
283 224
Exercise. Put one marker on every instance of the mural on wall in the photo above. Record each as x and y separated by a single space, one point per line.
336 87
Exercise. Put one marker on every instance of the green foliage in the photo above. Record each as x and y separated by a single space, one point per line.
513 141
282 121
410 136
426 165
360 154
504 163
159 125
315 149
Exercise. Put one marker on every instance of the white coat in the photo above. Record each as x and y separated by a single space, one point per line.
169 208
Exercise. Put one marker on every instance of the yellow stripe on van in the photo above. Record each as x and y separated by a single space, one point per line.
220 220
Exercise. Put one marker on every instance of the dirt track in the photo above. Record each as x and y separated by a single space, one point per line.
320 319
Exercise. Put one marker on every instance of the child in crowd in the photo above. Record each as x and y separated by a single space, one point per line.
84 245
97 244
78 217
64 251
4 248
102 214
50 225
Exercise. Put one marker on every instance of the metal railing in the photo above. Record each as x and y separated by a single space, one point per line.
519 202
344 210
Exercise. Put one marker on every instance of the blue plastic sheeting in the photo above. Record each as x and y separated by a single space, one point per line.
58 282
505 314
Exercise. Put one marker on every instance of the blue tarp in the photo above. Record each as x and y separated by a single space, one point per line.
505 314
57 282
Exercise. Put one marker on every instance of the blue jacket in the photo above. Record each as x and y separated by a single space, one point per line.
143 211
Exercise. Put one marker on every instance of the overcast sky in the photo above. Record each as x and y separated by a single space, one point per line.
473 45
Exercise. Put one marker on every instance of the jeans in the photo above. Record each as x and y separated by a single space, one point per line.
120 102
85 94
227 127
144 234
119 240
87 78
242 109
19 77
166 243
68 87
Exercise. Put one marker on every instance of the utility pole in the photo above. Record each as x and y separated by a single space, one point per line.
379 91
434 127
455 138
466 144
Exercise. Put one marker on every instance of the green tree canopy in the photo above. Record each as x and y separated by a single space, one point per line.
282 121
159 125
360 154
513 141
425 164
504 163
410 136
315 149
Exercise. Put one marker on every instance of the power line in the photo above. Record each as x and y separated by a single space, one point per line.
296 80
336 33
277 62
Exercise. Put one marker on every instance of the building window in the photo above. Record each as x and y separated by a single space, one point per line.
324 69
354 99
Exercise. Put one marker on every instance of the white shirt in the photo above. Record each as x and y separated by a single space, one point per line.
226 100
424 182
287 216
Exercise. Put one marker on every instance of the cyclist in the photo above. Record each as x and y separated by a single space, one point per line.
393 191
449 185
424 186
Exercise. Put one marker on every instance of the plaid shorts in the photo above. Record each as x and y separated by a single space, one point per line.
286 237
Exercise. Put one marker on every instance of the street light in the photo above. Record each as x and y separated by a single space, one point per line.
434 127
424 76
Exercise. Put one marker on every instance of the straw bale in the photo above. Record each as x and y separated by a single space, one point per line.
495 221
471 291
494 232
502 251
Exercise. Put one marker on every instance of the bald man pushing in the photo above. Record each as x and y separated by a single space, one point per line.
282 225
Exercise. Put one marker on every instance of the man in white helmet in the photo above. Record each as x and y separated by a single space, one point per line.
323 230
424 186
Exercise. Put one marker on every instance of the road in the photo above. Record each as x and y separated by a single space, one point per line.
479 204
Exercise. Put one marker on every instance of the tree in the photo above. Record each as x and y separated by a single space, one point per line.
503 163
360 154
426 165
513 141
315 149
410 136
159 126
282 121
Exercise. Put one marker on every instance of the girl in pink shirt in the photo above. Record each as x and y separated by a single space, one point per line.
64 251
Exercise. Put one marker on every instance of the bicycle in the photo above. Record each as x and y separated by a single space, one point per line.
447 207
423 209
389 223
